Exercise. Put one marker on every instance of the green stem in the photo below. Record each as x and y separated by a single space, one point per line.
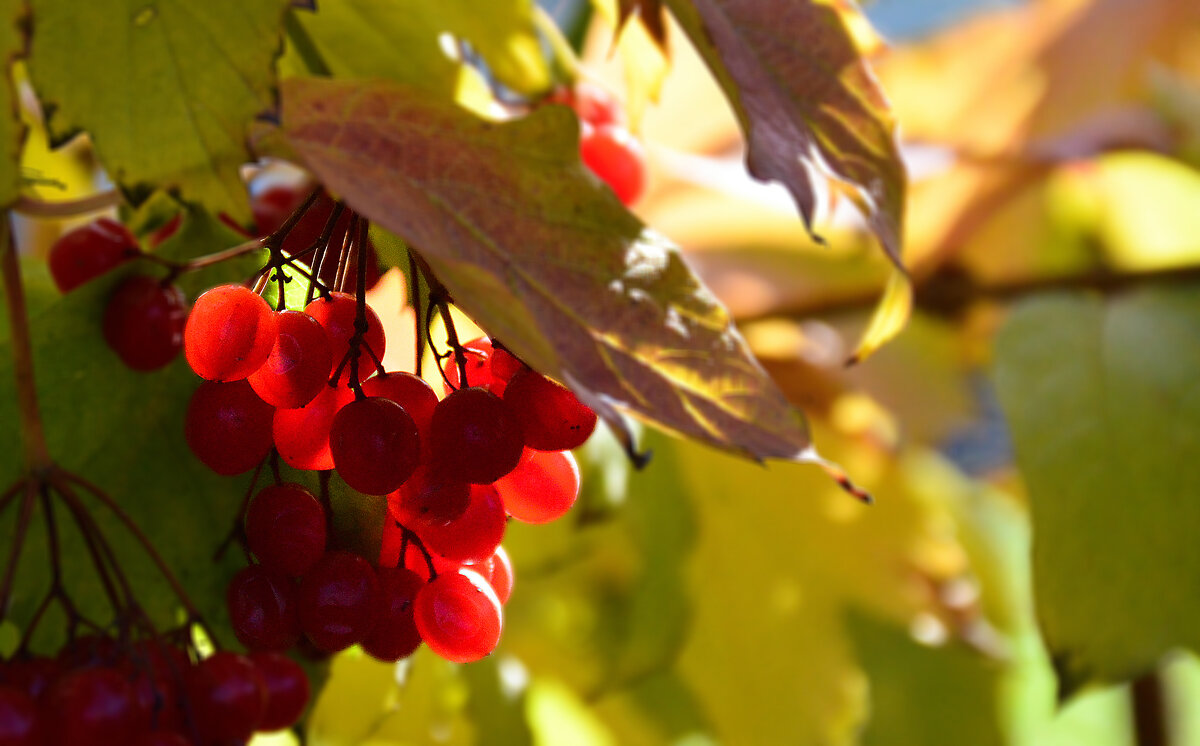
33 438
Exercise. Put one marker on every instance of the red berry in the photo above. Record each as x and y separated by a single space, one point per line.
19 724
542 488
228 427
375 445
409 391
274 205
478 354
505 365
227 695
298 366
500 574
162 738
287 690
458 616
91 707
551 417
474 437
302 435
616 156
155 670
89 251
262 609
395 635
338 601
285 529
473 536
143 322
31 675
429 498
337 316
229 334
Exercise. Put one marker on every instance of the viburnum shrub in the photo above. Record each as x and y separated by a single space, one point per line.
373 498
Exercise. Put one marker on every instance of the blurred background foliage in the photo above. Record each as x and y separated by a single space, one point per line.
1030 437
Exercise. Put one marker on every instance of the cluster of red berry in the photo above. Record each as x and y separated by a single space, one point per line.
606 145
100 691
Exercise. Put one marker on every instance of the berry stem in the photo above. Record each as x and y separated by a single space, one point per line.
148 547
14 554
421 333
321 247
68 208
33 439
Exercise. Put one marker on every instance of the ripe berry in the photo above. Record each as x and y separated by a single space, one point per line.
338 601
229 334
228 427
409 391
551 417
337 316
593 104
162 738
474 437
375 445
458 616
143 322
429 498
395 635
478 354
541 488
18 718
298 366
616 156
285 529
501 574
473 536
31 675
302 435
89 251
262 609
287 690
227 695
91 707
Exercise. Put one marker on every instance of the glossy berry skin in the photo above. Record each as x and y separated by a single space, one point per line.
473 536
459 616
89 251
409 391
229 334
474 437
617 158
338 601
551 417
395 635
287 690
227 695
375 445
19 724
428 498
228 427
286 529
91 707
478 355
298 366
542 488
143 322
262 609
155 670
302 435
31 675
336 316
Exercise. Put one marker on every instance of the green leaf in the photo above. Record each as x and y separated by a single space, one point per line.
167 90
910 682
545 258
1101 398
13 42
801 89
403 42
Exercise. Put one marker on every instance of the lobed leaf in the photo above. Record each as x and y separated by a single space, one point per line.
167 90
545 258
1102 400
805 99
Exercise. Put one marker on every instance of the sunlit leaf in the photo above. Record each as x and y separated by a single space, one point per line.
13 42
1101 398
544 258
166 90
795 108
889 318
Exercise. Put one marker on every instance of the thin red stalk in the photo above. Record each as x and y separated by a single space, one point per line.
33 439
